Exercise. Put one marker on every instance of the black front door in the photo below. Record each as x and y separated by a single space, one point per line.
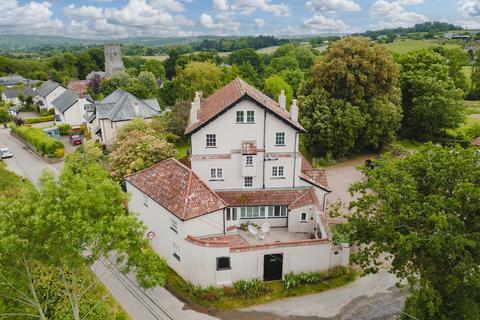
272 267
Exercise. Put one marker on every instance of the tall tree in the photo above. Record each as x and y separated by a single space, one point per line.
365 75
273 87
171 64
246 55
431 102
423 212
203 76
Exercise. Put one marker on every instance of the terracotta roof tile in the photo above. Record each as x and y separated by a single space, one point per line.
228 95
177 188
317 177
79 86
476 142
294 198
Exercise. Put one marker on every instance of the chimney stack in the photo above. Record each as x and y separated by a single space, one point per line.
137 109
294 111
282 100
198 99
193 114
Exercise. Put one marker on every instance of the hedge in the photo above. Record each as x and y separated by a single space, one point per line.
38 119
44 144
64 129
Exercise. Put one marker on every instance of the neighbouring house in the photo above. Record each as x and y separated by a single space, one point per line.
13 80
249 206
46 93
11 95
70 107
79 86
101 74
106 117
476 142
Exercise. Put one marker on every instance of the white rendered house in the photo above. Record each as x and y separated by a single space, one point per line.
104 118
70 108
245 170
46 93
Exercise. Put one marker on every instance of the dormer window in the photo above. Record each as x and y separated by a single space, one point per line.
211 140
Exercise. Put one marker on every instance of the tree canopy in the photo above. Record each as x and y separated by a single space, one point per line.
423 212
197 76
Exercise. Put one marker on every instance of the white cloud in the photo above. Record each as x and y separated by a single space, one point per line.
90 12
395 14
332 5
221 5
170 5
224 24
31 18
247 7
259 23
470 8
321 23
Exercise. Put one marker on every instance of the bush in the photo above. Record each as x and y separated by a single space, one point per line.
39 119
44 112
291 280
64 129
249 288
44 144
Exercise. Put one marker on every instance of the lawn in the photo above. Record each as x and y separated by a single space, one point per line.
403 46
268 49
182 148
10 183
229 298
467 70
159 58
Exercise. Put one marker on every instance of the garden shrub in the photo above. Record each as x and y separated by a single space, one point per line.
64 129
249 288
39 119
291 280
42 142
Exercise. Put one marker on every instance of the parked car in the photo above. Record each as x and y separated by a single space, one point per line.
76 139
5 153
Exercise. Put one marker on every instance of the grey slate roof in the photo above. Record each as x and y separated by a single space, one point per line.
65 100
46 87
120 106
15 92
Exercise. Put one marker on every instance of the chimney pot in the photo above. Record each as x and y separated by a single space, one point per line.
294 111
282 100
198 99
193 113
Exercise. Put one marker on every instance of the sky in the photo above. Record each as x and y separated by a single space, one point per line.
109 19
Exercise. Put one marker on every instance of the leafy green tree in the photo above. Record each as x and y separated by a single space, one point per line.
277 65
171 64
431 102
246 55
168 95
138 146
333 125
155 67
475 81
66 225
118 80
365 75
4 114
273 87
422 213
203 76
178 118
245 71
456 59
293 78
144 86
304 56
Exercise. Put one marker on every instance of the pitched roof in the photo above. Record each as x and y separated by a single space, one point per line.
79 86
293 198
64 101
46 87
178 189
225 97
316 177
15 92
120 105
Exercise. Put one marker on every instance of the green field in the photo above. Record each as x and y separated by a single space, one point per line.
268 49
407 45
159 58
321 48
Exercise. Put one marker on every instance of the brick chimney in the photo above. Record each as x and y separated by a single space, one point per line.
193 113
198 99
282 100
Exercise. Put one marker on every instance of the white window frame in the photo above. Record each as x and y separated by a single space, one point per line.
250 183
249 161
278 172
302 219
240 114
209 138
250 116
280 135
216 173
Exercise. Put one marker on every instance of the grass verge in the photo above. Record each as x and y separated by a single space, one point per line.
230 298
182 148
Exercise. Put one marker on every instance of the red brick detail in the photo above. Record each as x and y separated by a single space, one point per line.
177 188
228 95
227 240
210 157
264 197
296 243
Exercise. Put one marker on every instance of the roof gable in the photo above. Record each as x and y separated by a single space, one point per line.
177 188
119 106
64 101
46 88
228 96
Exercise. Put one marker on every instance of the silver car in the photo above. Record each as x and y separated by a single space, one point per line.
5 153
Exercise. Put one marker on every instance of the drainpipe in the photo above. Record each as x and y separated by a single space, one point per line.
264 145
295 158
